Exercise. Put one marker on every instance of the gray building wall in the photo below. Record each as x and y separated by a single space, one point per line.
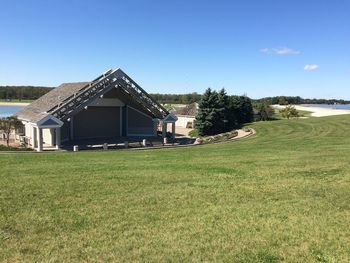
65 131
97 122
138 123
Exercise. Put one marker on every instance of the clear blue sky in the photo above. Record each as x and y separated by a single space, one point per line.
260 47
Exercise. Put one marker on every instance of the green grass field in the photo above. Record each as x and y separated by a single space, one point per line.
281 195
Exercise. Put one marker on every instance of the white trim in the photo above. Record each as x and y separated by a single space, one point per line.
40 139
52 135
40 122
34 137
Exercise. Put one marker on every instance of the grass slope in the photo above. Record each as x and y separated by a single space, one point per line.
282 195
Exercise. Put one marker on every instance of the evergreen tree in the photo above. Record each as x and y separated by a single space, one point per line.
241 109
223 122
219 113
207 116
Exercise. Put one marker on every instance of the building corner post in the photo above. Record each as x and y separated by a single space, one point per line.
58 138
164 128
40 139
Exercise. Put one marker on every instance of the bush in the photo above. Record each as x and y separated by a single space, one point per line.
11 148
289 112
193 133
219 137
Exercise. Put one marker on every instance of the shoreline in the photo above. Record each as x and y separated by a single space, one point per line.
3 103
317 111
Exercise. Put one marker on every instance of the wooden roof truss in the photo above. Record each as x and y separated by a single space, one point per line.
101 85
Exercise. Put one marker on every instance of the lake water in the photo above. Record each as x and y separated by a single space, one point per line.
330 106
6 111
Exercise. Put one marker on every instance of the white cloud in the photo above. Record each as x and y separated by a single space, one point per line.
280 51
311 67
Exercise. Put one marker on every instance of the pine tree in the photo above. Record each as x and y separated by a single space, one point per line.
207 113
222 122
241 108
219 113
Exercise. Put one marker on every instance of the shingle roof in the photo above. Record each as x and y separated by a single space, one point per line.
38 108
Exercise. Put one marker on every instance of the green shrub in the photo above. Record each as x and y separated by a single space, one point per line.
289 112
11 148
219 137
193 133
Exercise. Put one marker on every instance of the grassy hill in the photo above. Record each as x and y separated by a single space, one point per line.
282 195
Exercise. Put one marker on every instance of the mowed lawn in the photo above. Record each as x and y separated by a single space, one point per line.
281 195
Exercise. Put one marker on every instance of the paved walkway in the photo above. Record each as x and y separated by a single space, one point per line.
181 131
243 133
179 142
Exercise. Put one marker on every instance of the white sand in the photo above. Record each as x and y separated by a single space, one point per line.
316 111
14 103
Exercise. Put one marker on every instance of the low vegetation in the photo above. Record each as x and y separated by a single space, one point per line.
12 148
8 125
263 111
301 114
222 137
280 195
289 112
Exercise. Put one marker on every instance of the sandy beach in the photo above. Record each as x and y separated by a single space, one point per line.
316 111
3 103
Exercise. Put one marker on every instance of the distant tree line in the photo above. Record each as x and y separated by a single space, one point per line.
218 112
285 100
177 98
34 92
22 92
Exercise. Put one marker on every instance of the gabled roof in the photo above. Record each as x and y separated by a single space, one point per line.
69 98
170 118
37 110
49 122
